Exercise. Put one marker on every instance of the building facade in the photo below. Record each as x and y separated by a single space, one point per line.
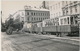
55 8
65 8
33 15
71 8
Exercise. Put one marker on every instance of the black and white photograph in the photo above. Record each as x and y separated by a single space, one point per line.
40 25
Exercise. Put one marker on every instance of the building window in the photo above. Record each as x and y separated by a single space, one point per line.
54 15
59 13
51 7
32 18
41 14
63 12
22 18
43 18
70 2
65 21
75 1
38 14
75 8
47 14
35 18
28 18
76 21
59 5
61 21
71 10
66 2
27 13
56 6
63 3
31 13
22 13
34 14
39 19
66 10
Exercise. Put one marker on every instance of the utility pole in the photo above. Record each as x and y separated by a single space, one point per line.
79 22
1 17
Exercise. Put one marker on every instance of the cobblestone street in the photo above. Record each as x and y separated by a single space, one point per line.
29 42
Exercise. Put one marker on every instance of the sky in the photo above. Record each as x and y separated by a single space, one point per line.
10 7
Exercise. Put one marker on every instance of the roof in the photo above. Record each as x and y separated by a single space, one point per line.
39 9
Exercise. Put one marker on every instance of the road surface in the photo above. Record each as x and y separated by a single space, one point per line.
29 42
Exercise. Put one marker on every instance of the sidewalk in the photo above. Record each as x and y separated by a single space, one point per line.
71 40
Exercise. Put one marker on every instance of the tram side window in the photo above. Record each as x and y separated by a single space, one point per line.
61 21
76 20
46 24
65 20
68 20
71 20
